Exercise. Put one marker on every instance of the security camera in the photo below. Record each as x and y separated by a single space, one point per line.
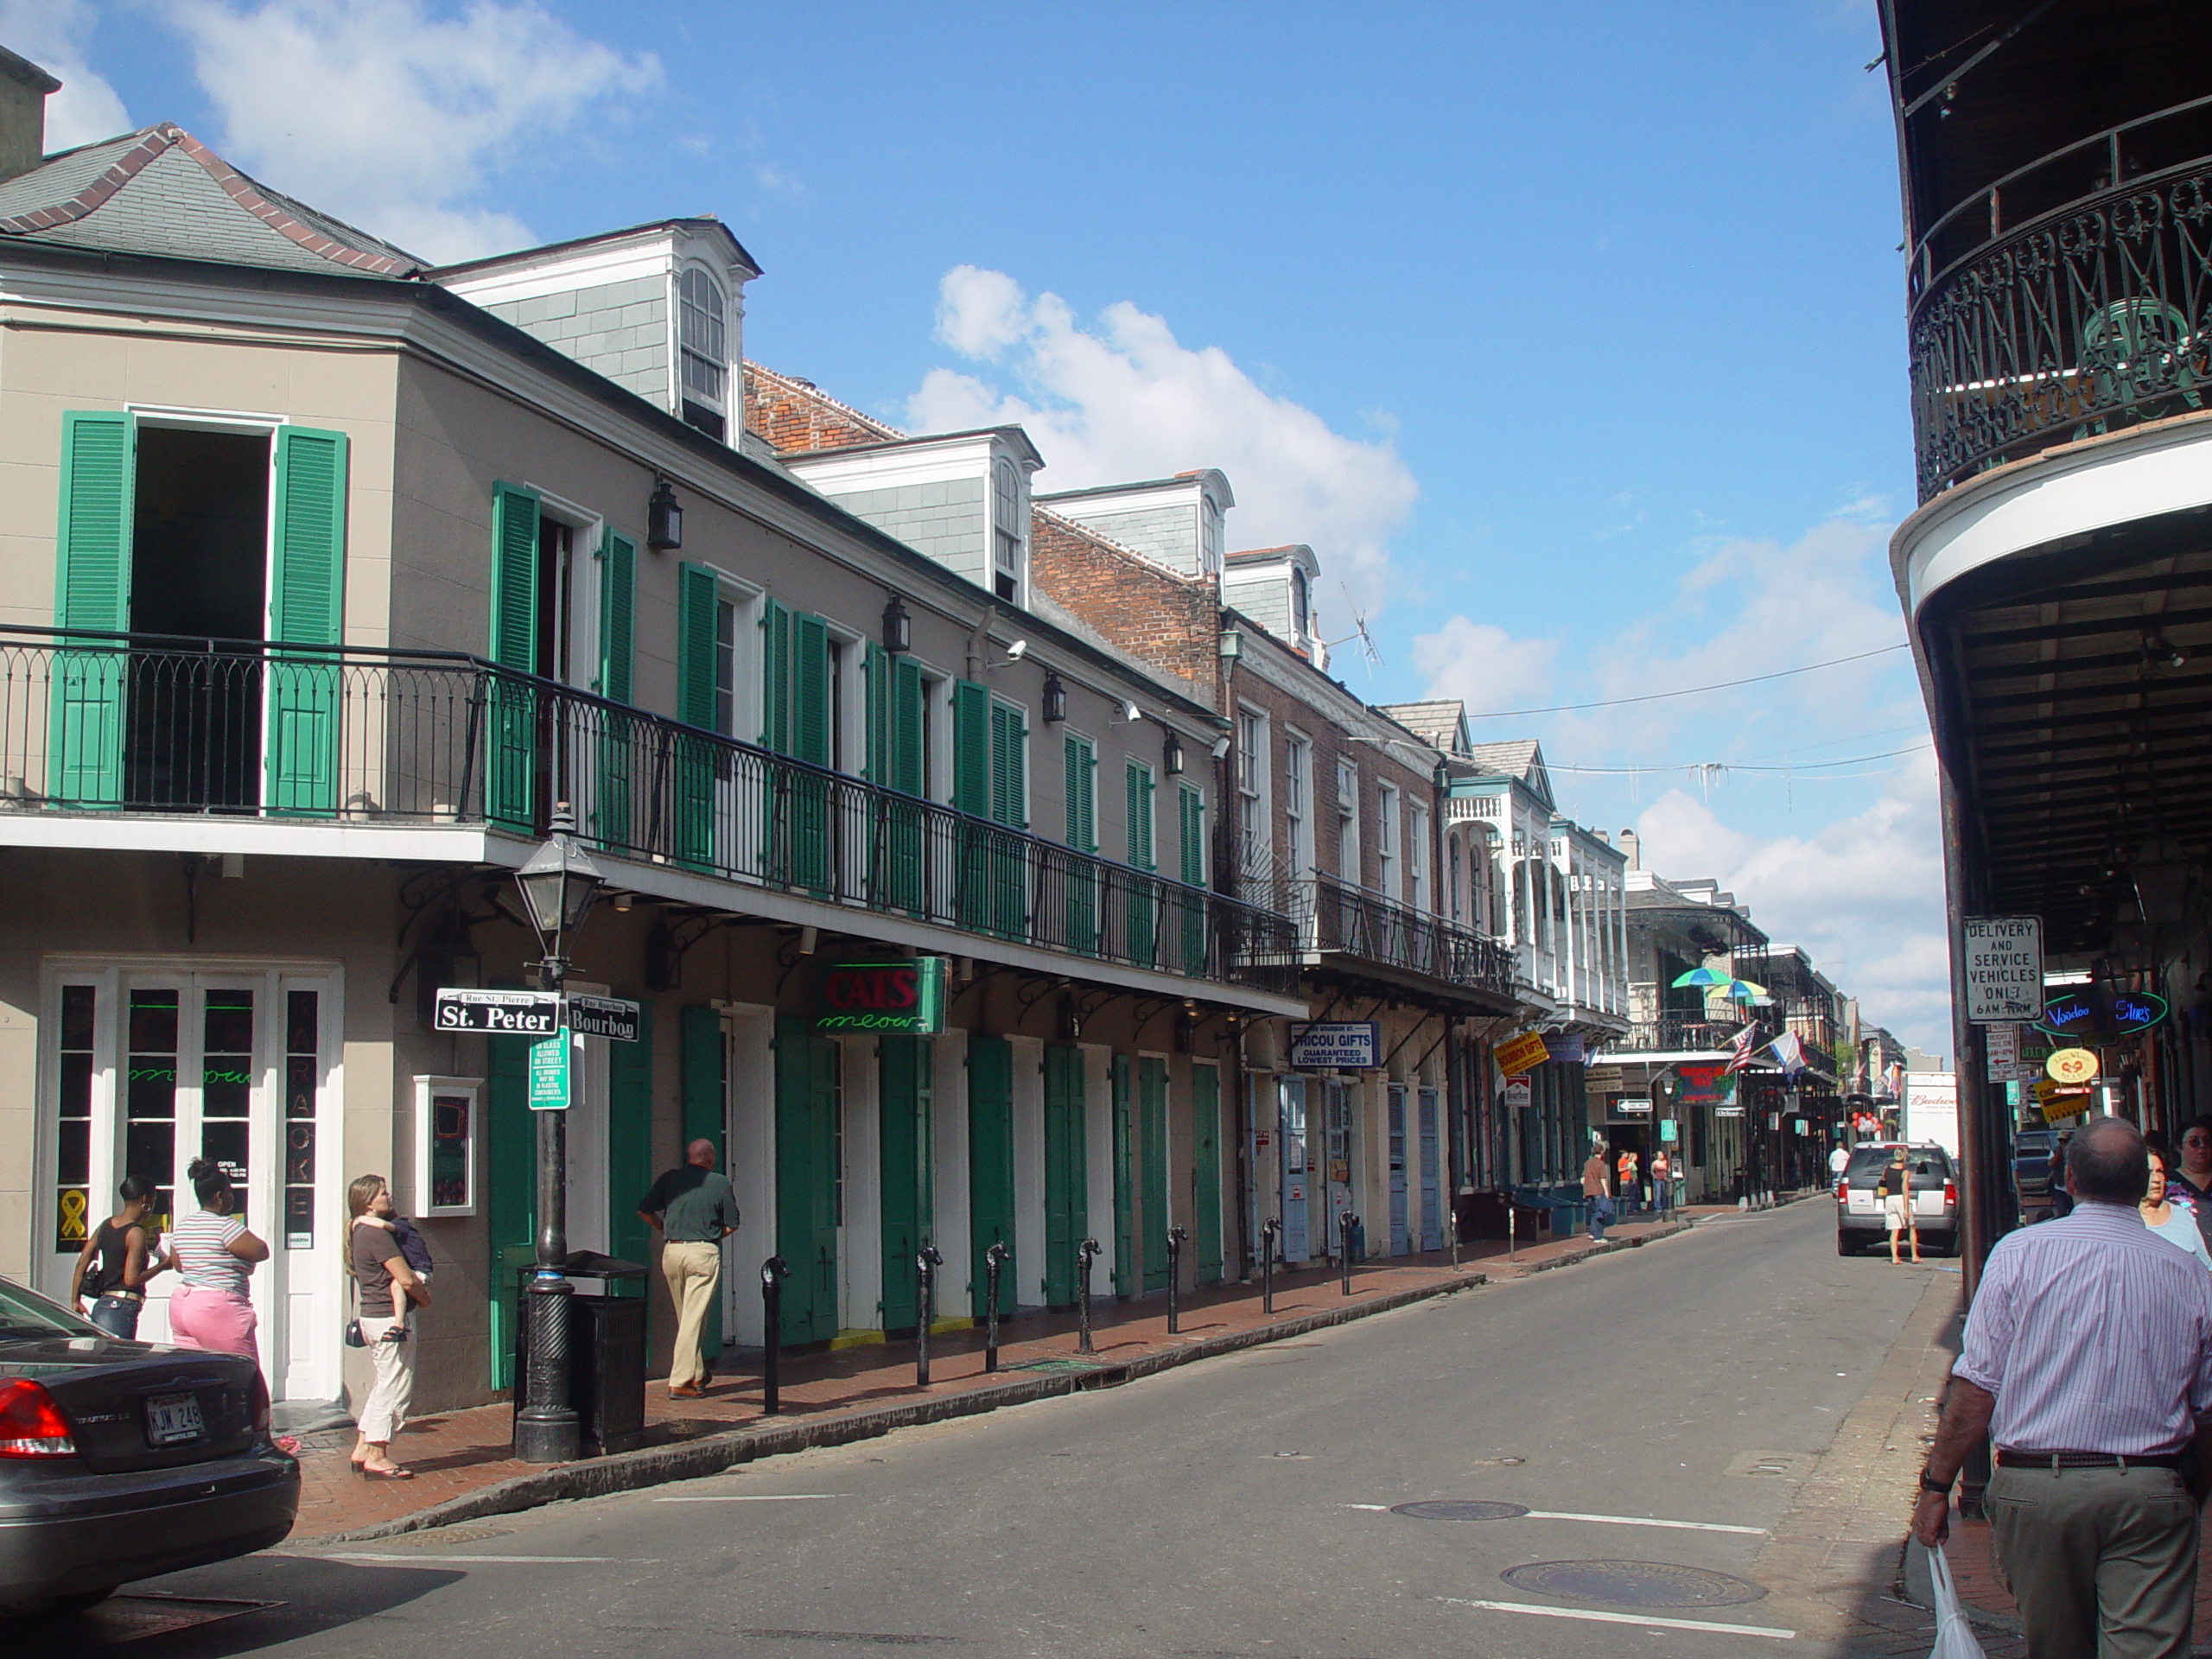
1017 651
1221 748
1131 713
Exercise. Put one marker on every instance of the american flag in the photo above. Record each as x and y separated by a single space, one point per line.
1741 1049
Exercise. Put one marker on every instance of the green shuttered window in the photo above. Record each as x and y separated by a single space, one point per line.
511 770
306 605
91 591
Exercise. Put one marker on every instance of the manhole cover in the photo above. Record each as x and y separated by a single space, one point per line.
1633 1584
1460 1508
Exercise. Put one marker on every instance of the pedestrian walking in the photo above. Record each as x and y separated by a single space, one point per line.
213 1252
2101 1446
694 1209
1897 1204
1839 1160
2192 1177
1595 1174
1627 1184
1663 1181
123 1253
389 1289
2165 1212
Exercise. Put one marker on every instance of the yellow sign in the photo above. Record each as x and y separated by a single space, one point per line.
2072 1066
1518 1056
2058 1103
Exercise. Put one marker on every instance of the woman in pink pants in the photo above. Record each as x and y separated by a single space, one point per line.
213 1252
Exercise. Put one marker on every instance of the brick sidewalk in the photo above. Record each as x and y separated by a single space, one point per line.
456 1455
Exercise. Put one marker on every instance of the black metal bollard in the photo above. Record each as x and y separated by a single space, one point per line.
993 1259
1176 1239
1085 1253
1268 1229
1455 1238
774 1272
926 1262
1346 1222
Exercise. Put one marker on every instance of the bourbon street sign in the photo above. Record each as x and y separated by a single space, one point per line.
900 998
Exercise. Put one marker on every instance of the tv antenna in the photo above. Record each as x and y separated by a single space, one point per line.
1366 647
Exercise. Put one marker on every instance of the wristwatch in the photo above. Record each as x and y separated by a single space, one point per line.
1929 1484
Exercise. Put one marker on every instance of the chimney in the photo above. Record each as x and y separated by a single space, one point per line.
1635 851
24 88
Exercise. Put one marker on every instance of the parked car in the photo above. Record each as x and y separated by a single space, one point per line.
1934 1187
121 1460
2032 1173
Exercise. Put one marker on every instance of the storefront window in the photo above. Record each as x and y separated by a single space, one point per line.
73 1171
302 1078
149 1136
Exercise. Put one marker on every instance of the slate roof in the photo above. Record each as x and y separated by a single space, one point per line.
1516 758
1436 723
160 191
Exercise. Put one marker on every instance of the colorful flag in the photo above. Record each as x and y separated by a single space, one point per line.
1740 1050
1789 1051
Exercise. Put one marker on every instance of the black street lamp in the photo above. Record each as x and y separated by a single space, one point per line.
558 885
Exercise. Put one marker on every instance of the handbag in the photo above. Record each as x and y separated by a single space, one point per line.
354 1337
1954 1637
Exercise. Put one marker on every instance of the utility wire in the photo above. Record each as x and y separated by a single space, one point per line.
1690 690
1729 766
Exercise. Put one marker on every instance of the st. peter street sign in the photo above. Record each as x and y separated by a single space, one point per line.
535 1013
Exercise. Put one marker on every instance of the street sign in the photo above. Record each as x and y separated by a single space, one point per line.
521 1013
2001 1043
1347 1044
1518 1056
611 1017
2004 967
549 1072
1667 1133
1633 1106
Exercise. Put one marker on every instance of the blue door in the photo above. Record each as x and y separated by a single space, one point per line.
1296 1174
1399 1243
1432 1176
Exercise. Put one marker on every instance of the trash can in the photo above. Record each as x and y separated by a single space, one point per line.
606 1351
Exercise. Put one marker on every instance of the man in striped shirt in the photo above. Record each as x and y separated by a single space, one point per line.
2087 1361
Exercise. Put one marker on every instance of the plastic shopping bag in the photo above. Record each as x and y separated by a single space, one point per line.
1954 1637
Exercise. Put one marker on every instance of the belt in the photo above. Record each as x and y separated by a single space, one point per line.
118 1296
2009 1458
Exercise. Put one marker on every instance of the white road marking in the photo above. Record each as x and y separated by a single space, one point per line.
1641 1520
1772 1631
513 1560
744 1497
1363 1506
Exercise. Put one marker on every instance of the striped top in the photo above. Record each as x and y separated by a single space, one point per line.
201 1245
2094 1335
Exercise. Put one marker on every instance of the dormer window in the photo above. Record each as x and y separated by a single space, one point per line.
1301 613
1209 528
701 341
1008 521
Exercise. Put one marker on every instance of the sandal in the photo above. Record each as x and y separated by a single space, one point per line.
393 1474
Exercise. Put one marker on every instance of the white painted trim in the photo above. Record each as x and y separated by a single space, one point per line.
419 1197
916 460
116 832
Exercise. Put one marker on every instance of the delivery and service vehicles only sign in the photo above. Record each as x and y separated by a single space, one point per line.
2004 967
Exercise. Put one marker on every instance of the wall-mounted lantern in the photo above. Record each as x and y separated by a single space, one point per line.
664 519
1170 754
898 628
1055 700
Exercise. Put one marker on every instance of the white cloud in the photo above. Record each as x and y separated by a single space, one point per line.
1122 398
393 116
56 35
1864 896
1483 666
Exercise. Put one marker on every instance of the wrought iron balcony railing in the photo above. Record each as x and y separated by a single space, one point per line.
131 724
1340 918
2058 305
1673 1033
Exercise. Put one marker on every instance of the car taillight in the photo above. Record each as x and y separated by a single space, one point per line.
1950 1192
30 1425
1842 1191
257 1404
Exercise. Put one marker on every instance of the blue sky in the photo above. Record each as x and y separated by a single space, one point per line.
1570 336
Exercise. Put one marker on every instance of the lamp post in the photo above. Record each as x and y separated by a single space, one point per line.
558 885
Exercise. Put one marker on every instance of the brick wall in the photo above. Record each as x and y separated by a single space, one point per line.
796 415
1172 622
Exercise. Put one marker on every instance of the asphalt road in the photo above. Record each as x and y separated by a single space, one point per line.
1241 1506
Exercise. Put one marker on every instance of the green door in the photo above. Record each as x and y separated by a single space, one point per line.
510 714
990 1165
1079 757
1206 1140
701 1077
611 817
1151 1111
1124 1232
701 616
630 1148
808 804
91 588
1140 937
306 607
904 1144
510 1178
807 1178
1067 1219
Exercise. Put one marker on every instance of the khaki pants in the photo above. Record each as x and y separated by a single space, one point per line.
391 1359
692 1271
2102 1561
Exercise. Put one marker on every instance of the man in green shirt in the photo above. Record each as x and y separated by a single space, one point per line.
693 1209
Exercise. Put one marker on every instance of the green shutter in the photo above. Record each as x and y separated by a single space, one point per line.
901 882
1140 815
306 607
1080 763
1141 944
91 587
807 1178
908 765
810 710
990 1167
630 1143
510 740
1205 1174
611 816
971 748
1066 1207
875 669
906 1165
1009 867
1151 1150
1190 820
692 784
775 678
1124 1225
699 1062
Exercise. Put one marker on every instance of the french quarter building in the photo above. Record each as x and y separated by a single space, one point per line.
2056 578
329 580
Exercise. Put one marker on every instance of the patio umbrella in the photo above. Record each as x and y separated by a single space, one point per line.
1705 976
1741 990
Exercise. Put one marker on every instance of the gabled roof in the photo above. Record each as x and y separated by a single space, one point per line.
696 224
1521 759
160 191
1441 723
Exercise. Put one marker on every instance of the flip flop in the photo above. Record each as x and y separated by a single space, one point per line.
367 1473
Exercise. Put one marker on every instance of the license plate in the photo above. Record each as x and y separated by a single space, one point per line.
173 1419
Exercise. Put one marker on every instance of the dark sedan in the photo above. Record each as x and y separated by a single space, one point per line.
121 1460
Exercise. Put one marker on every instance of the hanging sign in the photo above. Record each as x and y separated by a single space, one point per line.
2090 1014
2072 1066
1705 1084
2003 960
1518 1056
905 998
1567 1047
1517 1092
1336 1045
1668 1134
613 1017
549 1072
521 1013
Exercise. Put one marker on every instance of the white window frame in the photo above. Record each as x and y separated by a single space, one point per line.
428 1091
1298 804
1417 856
1009 502
1388 874
718 402
1255 848
1348 837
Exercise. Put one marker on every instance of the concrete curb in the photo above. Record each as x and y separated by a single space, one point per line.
1601 1247
626 1472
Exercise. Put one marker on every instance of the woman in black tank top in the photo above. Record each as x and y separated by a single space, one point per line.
122 1254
